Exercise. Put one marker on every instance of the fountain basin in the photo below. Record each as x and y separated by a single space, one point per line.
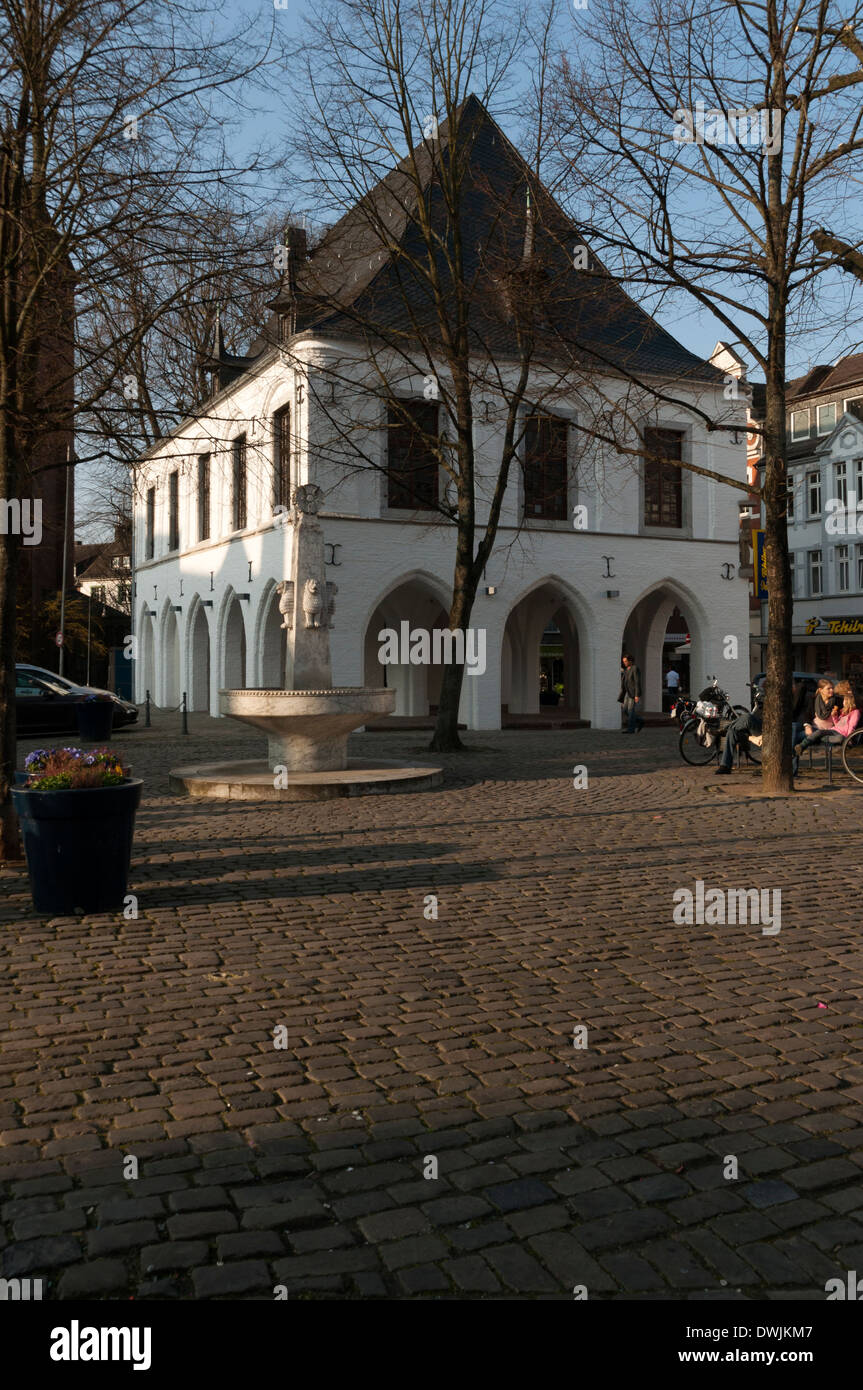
307 730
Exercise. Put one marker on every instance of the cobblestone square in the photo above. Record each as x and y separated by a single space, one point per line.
431 1130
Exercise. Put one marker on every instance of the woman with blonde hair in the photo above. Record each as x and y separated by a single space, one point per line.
842 721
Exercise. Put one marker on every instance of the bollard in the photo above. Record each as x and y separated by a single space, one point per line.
147 710
184 727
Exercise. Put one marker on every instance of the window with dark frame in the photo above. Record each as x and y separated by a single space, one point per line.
238 493
545 467
663 482
203 497
412 466
174 511
150 538
282 457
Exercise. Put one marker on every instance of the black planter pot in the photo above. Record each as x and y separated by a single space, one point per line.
549 697
78 845
95 719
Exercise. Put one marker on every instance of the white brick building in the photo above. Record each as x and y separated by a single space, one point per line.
210 544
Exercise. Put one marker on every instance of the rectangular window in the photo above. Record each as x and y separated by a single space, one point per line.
663 482
814 573
826 418
854 404
842 484
545 467
860 567
799 424
150 537
843 577
203 497
238 493
813 493
412 466
174 511
790 505
858 483
282 457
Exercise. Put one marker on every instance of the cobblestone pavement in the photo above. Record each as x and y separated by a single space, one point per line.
431 1130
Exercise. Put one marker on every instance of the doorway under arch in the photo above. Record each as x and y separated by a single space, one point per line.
170 660
272 643
234 647
541 665
147 650
199 661
411 607
650 634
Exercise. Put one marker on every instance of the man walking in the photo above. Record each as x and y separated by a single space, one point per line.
630 695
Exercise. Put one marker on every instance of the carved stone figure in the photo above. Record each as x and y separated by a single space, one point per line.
285 590
314 604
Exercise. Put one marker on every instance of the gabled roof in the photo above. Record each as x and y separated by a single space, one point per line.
851 419
351 285
824 380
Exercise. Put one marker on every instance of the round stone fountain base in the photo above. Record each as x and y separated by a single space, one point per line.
254 781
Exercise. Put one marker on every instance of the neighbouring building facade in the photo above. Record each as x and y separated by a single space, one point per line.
598 551
825 518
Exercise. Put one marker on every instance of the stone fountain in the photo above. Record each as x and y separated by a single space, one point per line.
307 724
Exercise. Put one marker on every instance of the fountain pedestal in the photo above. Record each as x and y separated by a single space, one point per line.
306 725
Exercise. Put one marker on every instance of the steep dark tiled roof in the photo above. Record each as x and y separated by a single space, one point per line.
350 286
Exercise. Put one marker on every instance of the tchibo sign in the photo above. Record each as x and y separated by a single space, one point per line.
20 1290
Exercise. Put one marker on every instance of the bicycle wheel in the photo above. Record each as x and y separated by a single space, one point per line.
694 747
852 755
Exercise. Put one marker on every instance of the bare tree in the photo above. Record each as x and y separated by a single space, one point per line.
112 122
451 267
706 148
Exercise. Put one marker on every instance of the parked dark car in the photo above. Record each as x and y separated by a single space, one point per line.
810 679
44 707
124 711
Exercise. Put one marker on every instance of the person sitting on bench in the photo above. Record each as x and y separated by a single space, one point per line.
838 724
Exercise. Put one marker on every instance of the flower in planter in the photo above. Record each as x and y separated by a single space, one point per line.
71 769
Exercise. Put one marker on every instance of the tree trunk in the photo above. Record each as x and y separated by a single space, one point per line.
10 844
446 738
776 770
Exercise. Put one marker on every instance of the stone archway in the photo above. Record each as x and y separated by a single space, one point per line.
541 648
147 650
233 646
412 606
645 631
271 644
199 660
171 660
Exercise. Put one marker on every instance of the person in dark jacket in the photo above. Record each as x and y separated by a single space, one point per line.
630 695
